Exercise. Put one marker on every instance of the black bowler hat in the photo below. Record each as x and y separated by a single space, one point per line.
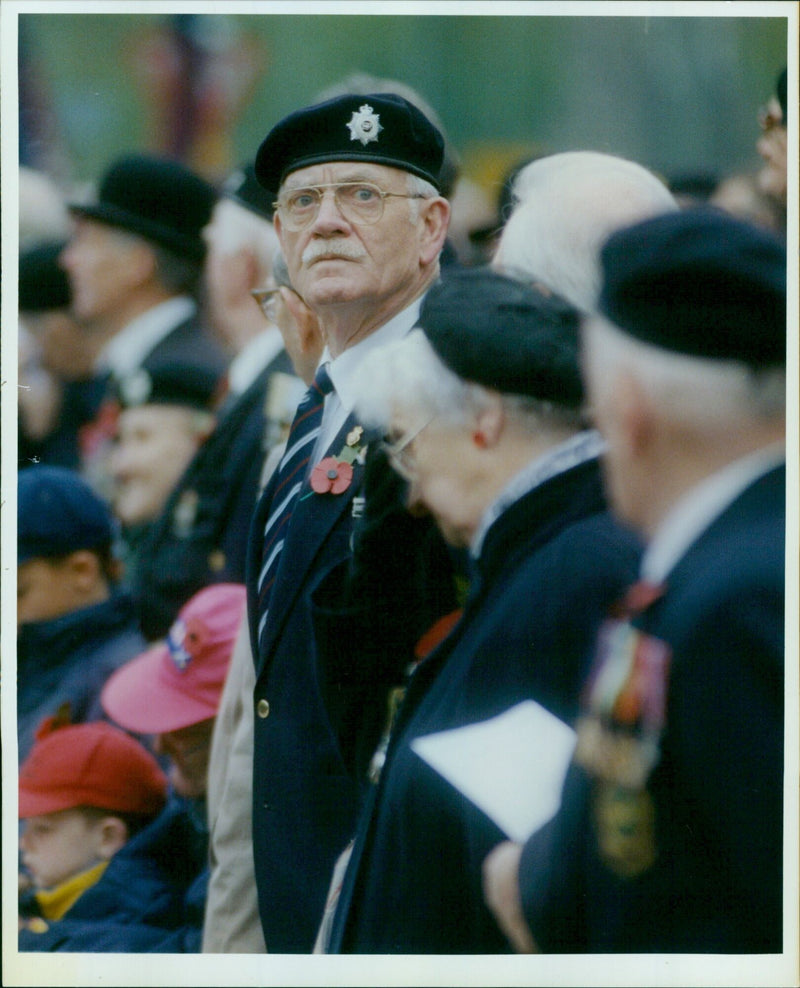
43 283
382 128
243 187
189 385
699 282
59 513
781 92
498 332
155 198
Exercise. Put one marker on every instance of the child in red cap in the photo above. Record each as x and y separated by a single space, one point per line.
85 791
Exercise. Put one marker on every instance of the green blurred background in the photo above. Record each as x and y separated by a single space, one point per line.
678 94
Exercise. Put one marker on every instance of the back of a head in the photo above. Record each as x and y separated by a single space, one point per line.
567 205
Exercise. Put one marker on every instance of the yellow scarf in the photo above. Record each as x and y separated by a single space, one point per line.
55 902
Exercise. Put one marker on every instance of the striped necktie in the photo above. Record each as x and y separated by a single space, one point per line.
291 473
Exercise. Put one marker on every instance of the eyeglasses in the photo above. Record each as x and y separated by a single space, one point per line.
358 202
398 453
267 299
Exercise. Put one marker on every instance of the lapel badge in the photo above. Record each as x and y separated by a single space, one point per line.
625 823
359 503
185 513
364 125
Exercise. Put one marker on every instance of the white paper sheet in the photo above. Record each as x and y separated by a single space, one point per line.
511 766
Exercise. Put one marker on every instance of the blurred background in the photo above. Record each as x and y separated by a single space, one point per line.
678 94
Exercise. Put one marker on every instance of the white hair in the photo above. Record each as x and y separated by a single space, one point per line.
236 228
567 205
43 214
709 395
408 374
418 186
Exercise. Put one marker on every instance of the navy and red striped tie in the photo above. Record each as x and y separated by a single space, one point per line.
291 474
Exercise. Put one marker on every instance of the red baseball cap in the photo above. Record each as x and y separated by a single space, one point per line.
93 764
179 681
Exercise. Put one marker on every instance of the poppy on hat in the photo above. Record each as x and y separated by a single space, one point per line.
43 283
93 764
156 198
179 682
58 513
385 129
701 283
496 331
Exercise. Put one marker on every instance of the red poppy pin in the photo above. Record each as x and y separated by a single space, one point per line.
333 474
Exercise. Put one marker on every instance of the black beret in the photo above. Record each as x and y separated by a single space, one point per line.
190 385
59 513
243 187
382 128
505 335
43 283
699 282
156 198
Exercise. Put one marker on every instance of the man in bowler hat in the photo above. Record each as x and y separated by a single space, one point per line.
670 834
361 223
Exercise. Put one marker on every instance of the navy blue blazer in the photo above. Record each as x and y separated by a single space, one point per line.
304 798
549 567
693 860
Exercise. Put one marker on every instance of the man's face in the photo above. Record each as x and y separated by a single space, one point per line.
335 261
45 590
153 447
188 750
98 262
772 146
56 846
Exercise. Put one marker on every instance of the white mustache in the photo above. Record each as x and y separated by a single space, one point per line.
332 248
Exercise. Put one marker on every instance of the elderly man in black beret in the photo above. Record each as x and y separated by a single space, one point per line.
361 223
671 830
482 407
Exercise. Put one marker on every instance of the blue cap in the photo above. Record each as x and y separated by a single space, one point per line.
58 513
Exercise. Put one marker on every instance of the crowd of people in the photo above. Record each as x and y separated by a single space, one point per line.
381 594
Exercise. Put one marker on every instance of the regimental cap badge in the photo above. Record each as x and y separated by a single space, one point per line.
364 125
176 643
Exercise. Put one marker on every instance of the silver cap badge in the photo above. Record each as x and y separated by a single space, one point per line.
364 125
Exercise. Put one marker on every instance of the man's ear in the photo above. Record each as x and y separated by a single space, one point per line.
435 216
309 333
84 569
634 414
488 426
113 835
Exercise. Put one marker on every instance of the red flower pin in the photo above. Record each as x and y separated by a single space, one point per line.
331 476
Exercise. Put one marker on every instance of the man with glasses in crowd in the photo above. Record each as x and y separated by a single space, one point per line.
361 225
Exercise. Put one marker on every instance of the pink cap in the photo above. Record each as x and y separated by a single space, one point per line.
179 682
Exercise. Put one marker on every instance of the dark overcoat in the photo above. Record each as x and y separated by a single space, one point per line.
549 567
707 828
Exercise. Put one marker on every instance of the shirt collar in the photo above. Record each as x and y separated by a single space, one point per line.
700 506
584 446
245 367
127 349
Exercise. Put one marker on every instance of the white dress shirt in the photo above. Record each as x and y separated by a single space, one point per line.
126 351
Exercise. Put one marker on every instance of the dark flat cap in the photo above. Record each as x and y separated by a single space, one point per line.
699 282
381 128
59 513
243 187
189 385
43 283
156 198
498 332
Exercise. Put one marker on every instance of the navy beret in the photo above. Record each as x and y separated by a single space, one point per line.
190 385
43 283
59 513
382 128
243 187
505 335
699 282
156 198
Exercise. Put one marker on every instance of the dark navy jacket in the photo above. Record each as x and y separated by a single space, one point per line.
150 898
219 490
549 567
715 884
68 660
